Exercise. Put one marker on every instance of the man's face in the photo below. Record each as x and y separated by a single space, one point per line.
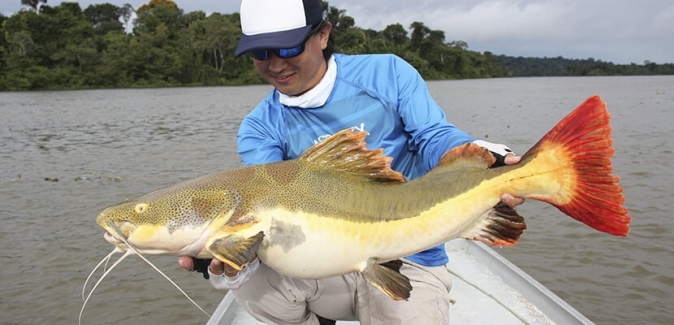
297 75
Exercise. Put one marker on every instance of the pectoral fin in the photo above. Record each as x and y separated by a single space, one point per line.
387 278
236 250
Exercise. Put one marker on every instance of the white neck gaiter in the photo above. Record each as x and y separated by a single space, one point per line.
317 96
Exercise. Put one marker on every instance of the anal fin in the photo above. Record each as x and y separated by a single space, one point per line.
503 226
387 278
235 250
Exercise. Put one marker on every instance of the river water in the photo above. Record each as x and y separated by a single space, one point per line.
66 155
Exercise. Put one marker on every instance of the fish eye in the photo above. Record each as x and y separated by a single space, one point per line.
140 208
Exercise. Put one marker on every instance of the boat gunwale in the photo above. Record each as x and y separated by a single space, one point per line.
554 307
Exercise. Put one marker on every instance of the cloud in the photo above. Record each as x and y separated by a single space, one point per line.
620 32
502 19
663 23
485 20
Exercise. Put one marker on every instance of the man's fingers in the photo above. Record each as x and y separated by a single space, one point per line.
218 267
512 201
512 158
186 263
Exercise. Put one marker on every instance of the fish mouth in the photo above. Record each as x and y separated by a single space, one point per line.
121 240
110 238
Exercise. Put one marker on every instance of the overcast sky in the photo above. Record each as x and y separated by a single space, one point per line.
623 32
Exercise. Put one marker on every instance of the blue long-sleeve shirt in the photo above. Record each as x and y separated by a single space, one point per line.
380 94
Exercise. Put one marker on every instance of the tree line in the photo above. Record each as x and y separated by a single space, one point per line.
67 47
559 66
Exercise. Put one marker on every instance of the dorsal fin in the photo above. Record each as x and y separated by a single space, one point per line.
468 155
347 151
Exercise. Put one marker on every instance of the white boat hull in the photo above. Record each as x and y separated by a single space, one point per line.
486 289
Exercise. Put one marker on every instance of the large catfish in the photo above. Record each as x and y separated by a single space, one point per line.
340 208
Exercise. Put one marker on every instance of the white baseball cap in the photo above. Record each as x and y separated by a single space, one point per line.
271 24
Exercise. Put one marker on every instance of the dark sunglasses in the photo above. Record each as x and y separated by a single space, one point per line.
263 54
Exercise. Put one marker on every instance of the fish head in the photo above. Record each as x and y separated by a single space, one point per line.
172 221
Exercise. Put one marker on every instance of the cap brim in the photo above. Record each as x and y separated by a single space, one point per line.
283 39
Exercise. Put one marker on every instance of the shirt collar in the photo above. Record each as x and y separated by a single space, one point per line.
317 96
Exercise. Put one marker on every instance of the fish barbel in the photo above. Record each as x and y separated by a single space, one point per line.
340 208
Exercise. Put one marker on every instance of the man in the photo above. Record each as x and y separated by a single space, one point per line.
318 93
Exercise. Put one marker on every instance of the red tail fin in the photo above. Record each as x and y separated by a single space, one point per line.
594 197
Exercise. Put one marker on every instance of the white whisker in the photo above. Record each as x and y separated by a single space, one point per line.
113 226
173 283
105 259
127 253
116 250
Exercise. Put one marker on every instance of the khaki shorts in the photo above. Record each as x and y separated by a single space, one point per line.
273 298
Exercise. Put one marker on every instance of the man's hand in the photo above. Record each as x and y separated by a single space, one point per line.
216 267
512 201
504 156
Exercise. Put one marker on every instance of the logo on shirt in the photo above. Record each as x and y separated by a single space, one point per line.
357 128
